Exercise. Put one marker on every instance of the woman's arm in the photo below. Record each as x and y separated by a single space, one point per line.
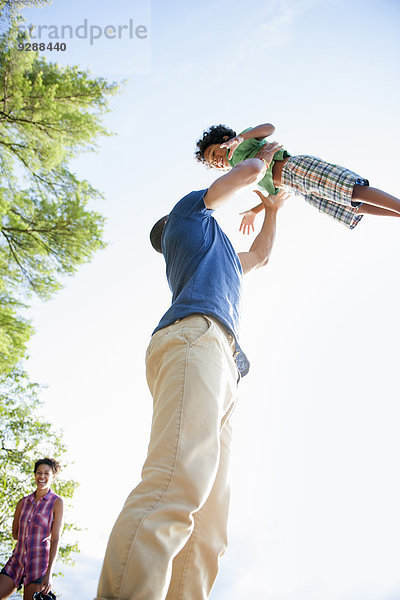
15 525
54 542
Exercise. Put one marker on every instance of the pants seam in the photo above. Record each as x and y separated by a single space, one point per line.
184 569
170 478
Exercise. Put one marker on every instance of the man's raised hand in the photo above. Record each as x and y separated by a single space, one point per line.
274 202
268 150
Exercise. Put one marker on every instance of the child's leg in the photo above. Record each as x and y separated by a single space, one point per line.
375 197
370 209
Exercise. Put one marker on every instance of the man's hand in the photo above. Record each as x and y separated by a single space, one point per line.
260 250
232 144
268 150
274 202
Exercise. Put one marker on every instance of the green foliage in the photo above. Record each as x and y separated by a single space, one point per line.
17 5
9 9
25 437
48 233
14 331
48 114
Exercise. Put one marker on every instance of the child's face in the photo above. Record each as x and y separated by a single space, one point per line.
216 157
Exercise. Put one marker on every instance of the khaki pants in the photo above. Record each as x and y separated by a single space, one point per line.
172 530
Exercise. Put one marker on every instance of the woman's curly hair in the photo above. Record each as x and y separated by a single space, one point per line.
50 462
216 134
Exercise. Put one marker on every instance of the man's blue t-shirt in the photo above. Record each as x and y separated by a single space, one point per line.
203 270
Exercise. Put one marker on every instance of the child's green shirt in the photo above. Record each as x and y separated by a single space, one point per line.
248 149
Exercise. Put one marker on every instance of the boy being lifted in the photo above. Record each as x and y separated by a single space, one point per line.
334 190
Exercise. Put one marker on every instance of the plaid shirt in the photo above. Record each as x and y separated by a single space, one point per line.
30 558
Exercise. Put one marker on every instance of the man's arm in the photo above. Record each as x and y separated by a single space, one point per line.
260 250
245 173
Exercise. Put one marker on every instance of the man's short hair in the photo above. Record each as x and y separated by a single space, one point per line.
156 233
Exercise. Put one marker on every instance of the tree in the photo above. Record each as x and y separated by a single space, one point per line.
48 114
9 9
16 5
25 437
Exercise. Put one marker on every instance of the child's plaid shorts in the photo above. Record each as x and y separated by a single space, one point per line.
326 186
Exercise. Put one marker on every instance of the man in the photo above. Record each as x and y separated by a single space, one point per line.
168 539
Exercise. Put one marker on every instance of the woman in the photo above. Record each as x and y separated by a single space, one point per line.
37 525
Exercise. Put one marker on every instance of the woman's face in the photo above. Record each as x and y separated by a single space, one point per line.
44 477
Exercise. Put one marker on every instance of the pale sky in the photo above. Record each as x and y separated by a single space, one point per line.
315 481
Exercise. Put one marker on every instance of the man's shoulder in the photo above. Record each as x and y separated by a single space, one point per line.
191 204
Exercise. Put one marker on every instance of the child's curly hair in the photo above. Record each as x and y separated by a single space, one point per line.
216 134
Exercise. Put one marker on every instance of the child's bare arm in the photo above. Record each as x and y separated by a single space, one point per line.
249 216
260 132
247 224
256 209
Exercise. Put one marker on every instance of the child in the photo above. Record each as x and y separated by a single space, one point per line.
334 190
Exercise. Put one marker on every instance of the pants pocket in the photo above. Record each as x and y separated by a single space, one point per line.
196 328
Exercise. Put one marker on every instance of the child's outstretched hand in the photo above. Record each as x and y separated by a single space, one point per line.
247 224
275 202
232 144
